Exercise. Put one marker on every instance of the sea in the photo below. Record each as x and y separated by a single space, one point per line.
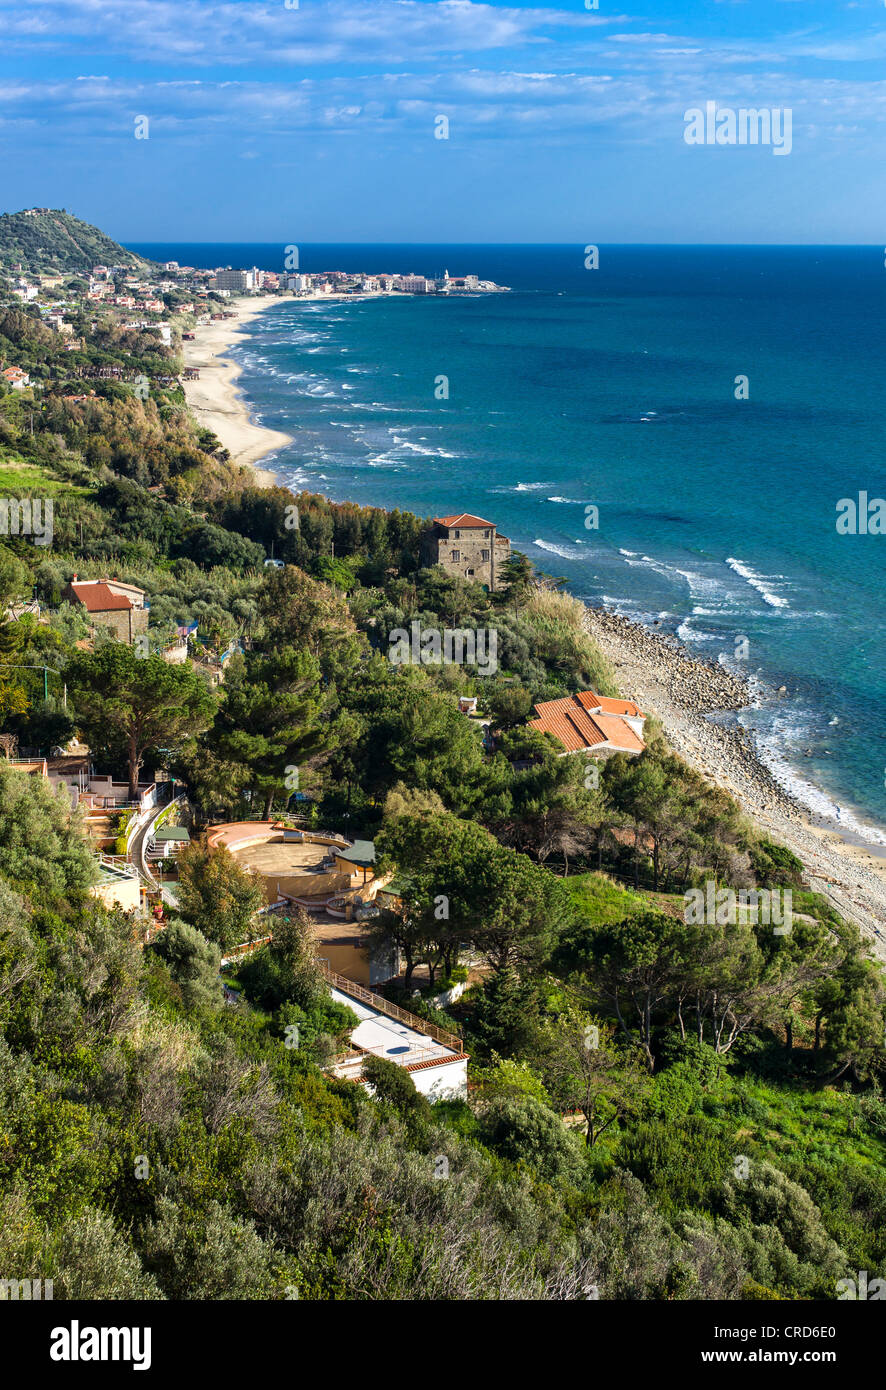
671 432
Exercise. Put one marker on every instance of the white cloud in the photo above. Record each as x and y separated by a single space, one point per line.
207 32
406 102
394 64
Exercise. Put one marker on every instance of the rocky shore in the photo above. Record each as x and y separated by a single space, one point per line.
693 700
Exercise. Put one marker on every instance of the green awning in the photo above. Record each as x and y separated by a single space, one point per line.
171 832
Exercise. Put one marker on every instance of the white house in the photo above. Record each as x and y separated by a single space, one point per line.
16 378
435 1060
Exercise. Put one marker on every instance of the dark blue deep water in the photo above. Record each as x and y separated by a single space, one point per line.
616 388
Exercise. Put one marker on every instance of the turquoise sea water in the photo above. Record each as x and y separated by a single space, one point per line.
616 388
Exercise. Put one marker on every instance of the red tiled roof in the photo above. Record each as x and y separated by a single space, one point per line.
589 699
437 1061
464 519
570 722
98 598
619 733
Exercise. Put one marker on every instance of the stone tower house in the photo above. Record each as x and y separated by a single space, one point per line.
467 546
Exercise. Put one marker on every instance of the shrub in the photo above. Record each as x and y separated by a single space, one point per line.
394 1086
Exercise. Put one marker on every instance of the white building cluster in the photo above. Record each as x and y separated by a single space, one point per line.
360 282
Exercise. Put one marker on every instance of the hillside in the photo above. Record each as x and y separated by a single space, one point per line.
50 239
660 1107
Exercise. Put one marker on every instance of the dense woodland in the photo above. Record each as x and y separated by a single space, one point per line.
724 1136
52 239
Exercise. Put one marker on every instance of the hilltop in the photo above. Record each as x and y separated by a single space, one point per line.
51 239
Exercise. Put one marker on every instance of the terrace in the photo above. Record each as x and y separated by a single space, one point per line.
324 874
435 1059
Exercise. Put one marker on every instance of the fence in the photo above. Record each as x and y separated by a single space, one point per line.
120 864
366 996
384 1006
245 948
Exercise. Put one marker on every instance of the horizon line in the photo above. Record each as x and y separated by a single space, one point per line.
725 245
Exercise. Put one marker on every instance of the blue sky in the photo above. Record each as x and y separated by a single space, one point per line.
565 124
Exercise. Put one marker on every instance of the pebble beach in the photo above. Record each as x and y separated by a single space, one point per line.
693 699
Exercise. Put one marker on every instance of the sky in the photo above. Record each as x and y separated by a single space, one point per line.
323 120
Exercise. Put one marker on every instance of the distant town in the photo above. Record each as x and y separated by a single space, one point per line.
232 281
171 299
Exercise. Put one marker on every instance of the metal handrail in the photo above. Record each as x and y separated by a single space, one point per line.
366 996
120 863
384 1006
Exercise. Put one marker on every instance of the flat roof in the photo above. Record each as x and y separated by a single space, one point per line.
387 1037
171 832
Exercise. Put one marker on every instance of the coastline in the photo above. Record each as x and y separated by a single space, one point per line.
215 400
684 693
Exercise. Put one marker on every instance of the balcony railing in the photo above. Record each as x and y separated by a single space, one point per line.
377 1002
384 1006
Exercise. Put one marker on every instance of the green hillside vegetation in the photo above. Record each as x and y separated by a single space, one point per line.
661 1110
55 240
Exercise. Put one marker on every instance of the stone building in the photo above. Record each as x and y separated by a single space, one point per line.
467 546
109 603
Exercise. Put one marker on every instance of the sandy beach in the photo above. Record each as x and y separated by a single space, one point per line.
215 400
686 695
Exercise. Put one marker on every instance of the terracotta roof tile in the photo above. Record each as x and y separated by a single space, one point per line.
570 721
98 598
619 733
437 1061
463 519
589 699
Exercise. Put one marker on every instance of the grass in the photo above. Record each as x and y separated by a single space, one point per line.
802 1125
562 617
601 901
18 477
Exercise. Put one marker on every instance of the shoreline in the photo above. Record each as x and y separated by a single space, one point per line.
215 400
658 671
686 695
